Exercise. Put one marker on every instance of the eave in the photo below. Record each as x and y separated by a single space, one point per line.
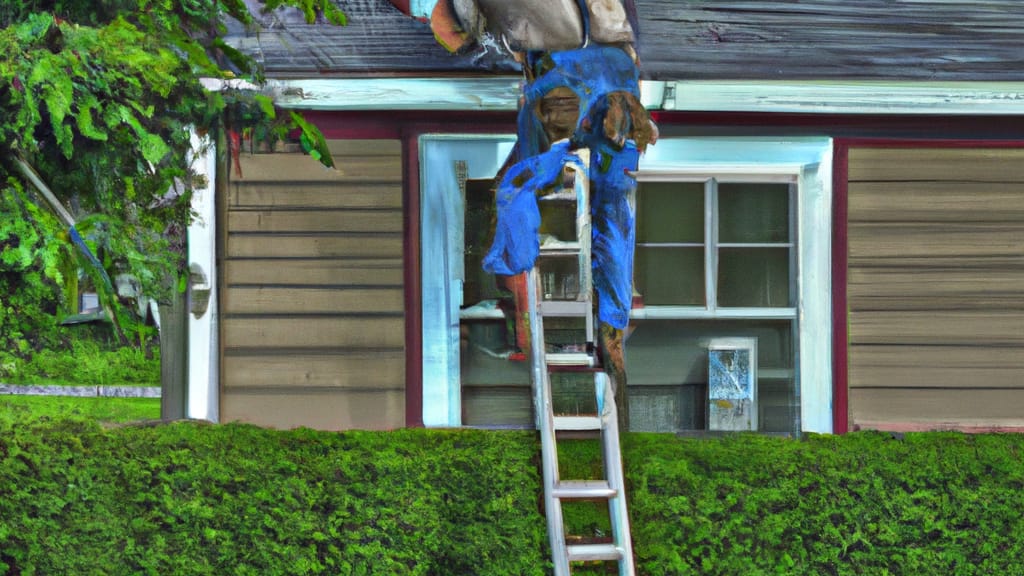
500 93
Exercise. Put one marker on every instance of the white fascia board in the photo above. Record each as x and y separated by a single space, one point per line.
498 93
837 97
501 93
493 94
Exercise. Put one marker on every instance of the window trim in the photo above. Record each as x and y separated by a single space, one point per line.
807 161
731 174
808 157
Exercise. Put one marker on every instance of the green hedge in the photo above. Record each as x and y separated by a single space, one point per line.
864 503
186 498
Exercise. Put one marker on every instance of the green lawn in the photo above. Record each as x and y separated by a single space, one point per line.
100 409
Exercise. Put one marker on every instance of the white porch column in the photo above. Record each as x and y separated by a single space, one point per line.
203 348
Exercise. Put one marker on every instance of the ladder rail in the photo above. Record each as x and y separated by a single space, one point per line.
617 509
612 487
545 415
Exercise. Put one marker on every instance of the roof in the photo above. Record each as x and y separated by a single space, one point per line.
378 40
939 40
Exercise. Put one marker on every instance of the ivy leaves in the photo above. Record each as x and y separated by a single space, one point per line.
100 97
101 80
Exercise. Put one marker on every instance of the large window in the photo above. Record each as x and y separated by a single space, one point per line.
715 262
733 245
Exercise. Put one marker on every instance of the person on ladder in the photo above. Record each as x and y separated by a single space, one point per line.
581 90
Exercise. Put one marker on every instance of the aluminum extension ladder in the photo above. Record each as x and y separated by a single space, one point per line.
605 422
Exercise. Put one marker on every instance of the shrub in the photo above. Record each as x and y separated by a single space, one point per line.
188 498
199 499
865 503
88 360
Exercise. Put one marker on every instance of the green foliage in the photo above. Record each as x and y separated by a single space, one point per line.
864 503
35 271
189 498
39 282
103 410
312 141
100 96
86 361
234 499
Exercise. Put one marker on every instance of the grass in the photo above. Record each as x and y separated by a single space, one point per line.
104 410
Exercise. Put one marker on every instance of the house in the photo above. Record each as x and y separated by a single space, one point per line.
843 184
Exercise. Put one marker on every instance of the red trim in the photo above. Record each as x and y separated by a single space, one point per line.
840 334
840 247
402 5
401 123
463 124
905 126
931 143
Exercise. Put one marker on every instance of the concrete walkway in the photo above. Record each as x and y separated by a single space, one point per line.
83 391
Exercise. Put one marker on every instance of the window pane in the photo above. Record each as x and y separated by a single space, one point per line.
559 277
495 390
753 213
668 373
670 276
753 277
670 212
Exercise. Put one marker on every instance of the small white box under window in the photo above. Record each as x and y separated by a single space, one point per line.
732 384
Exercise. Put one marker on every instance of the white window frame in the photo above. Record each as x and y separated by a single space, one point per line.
711 244
805 160
805 163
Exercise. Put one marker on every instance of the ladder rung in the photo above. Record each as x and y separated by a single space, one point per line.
577 423
564 308
584 489
585 552
569 359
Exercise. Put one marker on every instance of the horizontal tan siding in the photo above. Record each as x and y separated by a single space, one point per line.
304 332
270 221
910 165
341 245
325 409
936 286
935 202
352 369
314 271
304 300
319 194
886 288
313 325
300 168
937 366
938 328
940 408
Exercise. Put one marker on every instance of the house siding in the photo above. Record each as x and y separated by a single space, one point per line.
313 304
935 279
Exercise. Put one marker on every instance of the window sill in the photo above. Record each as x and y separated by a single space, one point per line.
693 312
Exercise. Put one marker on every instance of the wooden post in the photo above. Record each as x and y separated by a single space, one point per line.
174 357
